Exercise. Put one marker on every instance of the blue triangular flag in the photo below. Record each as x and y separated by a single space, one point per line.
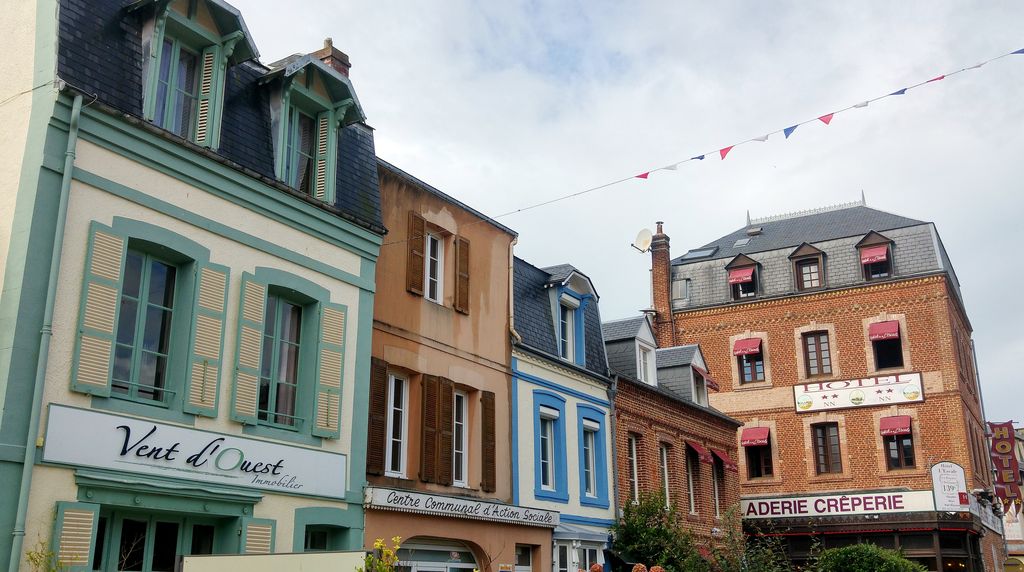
698 157
899 92
789 131
1020 51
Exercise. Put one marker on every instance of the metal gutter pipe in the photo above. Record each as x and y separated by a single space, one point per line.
28 464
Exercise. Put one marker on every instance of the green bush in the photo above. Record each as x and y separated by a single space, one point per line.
864 558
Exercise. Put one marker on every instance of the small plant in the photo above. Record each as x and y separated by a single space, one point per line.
382 558
42 559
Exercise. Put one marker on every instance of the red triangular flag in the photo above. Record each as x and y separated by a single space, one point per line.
936 79
826 119
725 151
642 175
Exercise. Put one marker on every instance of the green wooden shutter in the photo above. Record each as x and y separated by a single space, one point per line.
330 369
257 536
74 535
445 431
94 354
428 429
205 361
414 257
250 344
376 430
205 123
322 172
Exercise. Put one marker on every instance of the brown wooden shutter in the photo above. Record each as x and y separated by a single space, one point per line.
414 255
462 275
428 435
376 431
445 431
488 451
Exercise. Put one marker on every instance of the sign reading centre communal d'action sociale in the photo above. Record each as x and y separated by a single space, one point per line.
837 505
87 438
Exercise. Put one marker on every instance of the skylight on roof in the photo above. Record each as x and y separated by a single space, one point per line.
702 253
741 242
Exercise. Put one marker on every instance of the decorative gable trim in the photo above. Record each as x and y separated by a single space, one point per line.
872 238
741 260
805 250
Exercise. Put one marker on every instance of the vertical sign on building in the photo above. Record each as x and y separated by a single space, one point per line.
1004 458
949 485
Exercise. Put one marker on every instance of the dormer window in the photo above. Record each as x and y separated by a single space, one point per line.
742 277
310 103
566 330
188 44
702 382
645 364
875 256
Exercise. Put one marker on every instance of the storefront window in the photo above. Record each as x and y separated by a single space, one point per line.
150 542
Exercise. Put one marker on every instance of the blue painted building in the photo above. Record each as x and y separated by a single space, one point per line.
562 429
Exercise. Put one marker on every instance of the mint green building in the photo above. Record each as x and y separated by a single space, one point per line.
188 241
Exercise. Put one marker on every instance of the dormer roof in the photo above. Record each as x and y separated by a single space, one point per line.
338 85
805 249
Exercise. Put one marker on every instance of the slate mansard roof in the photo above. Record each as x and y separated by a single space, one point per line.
793 231
100 53
535 323
624 329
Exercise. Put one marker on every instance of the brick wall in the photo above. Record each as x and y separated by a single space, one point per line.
941 423
654 418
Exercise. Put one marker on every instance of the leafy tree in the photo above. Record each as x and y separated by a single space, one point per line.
864 558
653 534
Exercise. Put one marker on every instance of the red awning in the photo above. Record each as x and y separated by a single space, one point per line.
884 331
754 437
746 347
708 380
727 462
741 275
895 425
702 453
877 253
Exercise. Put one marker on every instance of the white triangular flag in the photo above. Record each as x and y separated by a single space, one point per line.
762 138
862 104
975 66
671 167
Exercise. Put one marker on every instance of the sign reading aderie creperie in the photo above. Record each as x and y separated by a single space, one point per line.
837 505
455 507
91 439
865 392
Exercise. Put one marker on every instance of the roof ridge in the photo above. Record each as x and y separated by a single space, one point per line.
808 212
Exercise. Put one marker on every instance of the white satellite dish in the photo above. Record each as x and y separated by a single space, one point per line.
643 240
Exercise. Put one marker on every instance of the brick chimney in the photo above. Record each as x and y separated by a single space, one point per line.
333 57
661 288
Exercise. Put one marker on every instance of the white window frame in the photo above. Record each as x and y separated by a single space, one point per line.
715 470
460 446
435 264
691 460
664 474
567 332
562 555
634 484
547 445
402 439
646 370
699 388
589 460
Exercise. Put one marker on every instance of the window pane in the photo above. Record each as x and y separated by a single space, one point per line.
270 316
291 322
202 539
126 321
132 274
264 405
185 94
161 284
285 405
163 81
133 544
157 334
304 163
288 363
165 546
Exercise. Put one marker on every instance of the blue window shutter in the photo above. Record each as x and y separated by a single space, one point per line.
257 536
206 350
330 370
97 322
74 535
245 395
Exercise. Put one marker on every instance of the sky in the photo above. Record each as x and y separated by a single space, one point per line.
508 104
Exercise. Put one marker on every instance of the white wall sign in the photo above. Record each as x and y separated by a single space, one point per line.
91 439
838 505
866 392
440 505
988 518
949 485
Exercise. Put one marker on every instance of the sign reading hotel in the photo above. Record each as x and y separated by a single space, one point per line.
866 392
454 507
949 485
87 438
838 505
